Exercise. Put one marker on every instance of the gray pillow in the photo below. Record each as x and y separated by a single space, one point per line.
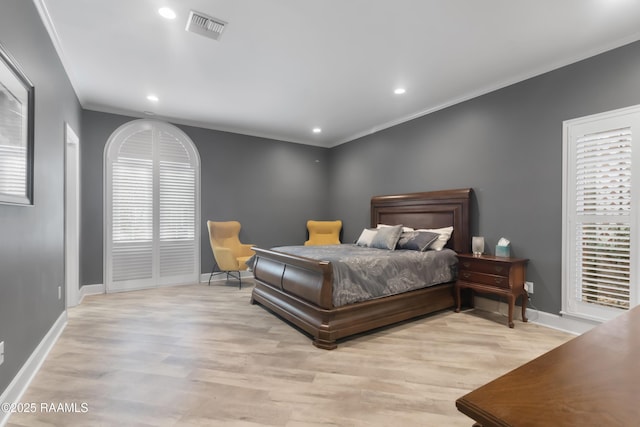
386 237
417 240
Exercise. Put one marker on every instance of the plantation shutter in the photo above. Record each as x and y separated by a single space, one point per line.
132 207
152 227
601 231
177 209
603 205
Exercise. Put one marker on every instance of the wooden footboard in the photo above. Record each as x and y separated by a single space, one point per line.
296 288
300 289
309 279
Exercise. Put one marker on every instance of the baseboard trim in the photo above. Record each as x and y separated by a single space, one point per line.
91 290
100 288
204 277
25 375
562 323
554 321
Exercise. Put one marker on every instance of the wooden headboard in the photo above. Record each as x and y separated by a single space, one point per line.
433 209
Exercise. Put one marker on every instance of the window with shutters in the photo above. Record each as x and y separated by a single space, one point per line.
600 199
152 231
16 133
14 186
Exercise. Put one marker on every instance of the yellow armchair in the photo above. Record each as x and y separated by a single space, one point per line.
229 254
323 232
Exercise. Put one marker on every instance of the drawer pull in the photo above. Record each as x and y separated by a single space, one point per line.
466 264
499 269
466 275
498 280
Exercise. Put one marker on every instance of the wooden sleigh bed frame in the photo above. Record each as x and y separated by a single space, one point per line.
300 289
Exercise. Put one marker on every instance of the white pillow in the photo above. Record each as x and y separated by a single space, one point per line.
443 238
404 229
366 237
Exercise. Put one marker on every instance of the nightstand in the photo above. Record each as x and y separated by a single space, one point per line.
493 275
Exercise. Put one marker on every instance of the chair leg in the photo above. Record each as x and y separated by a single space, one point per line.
213 270
211 275
229 273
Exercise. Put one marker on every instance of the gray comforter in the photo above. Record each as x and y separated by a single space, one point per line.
361 273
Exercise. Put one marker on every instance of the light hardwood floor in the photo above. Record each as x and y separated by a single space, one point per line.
203 356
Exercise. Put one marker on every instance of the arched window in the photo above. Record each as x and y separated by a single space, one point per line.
152 207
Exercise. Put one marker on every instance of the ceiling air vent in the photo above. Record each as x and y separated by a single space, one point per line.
205 25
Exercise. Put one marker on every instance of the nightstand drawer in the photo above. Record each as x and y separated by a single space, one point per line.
484 266
487 279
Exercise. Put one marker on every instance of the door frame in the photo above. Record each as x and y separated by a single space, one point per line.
71 217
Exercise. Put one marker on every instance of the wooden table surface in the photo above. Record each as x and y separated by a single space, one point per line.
592 380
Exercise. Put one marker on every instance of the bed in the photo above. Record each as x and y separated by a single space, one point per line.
300 289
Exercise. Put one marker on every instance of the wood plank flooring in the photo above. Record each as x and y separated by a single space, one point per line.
204 356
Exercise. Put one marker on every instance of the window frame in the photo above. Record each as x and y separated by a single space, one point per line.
17 83
616 119
116 140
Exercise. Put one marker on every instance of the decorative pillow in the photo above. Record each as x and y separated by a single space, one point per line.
366 237
417 240
443 238
386 237
404 229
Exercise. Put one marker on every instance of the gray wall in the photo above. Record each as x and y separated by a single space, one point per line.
271 187
506 145
32 238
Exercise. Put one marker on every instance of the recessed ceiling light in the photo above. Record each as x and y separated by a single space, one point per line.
167 13
317 130
153 98
399 91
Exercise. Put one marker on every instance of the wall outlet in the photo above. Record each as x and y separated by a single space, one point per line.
59 292
528 286
1 352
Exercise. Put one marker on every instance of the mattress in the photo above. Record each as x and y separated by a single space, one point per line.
362 273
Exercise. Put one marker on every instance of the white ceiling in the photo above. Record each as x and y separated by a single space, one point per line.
283 67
